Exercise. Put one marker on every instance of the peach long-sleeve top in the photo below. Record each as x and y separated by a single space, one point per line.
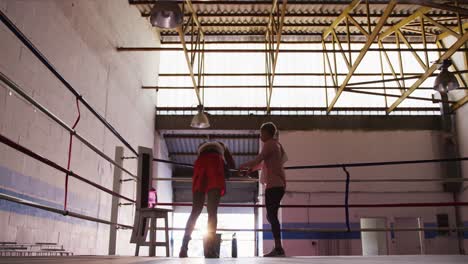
273 157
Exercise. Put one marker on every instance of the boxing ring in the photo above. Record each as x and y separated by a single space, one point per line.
345 206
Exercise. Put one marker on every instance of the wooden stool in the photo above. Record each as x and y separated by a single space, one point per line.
140 229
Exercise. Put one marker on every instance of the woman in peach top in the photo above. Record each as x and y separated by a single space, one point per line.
273 157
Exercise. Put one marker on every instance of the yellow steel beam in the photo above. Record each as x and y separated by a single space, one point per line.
400 60
423 34
273 9
348 65
188 58
421 11
370 40
391 67
455 46
278 36
189 64
383 77
416 56
329 63
442 27
459 103
454 29
363 31
278 42
348 40
194 16
269 54
340 18
433 4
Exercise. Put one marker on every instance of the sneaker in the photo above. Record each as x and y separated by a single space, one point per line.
276 252
183 252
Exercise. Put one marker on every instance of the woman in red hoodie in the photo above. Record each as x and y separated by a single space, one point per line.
208 179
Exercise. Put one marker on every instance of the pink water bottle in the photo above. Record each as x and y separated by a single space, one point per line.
152 198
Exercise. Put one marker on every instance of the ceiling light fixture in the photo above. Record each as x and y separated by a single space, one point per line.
200 120
446 81
166 14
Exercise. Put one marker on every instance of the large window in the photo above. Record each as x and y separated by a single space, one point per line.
318 90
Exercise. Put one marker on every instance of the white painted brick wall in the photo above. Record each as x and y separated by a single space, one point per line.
79 38
334 147
462 133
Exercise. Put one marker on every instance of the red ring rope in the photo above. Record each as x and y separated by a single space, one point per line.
69 154
443 204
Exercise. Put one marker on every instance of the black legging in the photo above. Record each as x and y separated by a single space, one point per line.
273 198
214 196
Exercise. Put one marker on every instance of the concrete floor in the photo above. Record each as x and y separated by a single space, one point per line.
454 259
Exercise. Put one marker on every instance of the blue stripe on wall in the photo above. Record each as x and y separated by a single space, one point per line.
31 211
430 234
434 234
35 187
51 196
314 235
351 235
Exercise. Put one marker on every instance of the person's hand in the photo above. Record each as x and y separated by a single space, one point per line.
242 172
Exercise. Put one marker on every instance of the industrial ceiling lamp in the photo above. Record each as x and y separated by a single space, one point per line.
200 120
445 81
166 14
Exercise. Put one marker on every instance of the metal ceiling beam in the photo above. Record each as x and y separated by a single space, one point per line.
413 51
297 15
288 42
388 80
404 22
196 154
261 34
346 121
275 87
199 47
356 24
292 109
190 67
247 2
340 18
455 46
432 4
229 74
455 29
217 136
460 103
433 100
273 27
167 49
442 27
390 65
388 10
259 24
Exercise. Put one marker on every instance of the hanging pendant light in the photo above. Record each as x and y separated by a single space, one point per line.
200 120
166 14
446 81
